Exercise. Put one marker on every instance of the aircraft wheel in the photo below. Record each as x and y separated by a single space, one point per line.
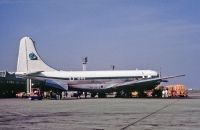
141 94
124 94
101 95
93 95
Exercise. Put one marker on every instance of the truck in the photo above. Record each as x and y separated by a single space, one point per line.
177 90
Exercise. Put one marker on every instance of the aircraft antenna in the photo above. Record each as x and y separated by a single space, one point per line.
160 72
113 67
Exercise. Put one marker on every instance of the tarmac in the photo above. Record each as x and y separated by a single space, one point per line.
100 114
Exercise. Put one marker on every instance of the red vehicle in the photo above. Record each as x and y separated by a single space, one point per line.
35 94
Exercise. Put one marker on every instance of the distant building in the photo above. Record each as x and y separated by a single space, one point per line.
10 85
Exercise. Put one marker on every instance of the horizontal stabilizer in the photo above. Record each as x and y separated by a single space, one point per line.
33 73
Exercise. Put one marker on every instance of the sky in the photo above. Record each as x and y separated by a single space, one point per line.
161 35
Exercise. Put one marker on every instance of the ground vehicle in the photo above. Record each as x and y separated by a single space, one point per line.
21 95
35 94
178 90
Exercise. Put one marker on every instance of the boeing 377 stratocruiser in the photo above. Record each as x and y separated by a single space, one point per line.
30 65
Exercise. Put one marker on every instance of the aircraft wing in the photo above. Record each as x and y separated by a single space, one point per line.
144 84
164 79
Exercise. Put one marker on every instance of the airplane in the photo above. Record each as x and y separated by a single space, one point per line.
30 65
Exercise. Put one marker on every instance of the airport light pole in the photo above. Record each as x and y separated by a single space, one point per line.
84 63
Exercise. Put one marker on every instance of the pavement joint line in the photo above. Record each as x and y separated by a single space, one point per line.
17 113
139 120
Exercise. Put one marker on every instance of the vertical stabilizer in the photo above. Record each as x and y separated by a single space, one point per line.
28 58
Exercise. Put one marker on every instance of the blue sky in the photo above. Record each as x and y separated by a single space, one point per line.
130 34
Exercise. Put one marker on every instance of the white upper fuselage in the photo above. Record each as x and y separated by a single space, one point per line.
84 75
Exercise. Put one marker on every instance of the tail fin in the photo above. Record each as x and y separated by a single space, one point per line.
28 58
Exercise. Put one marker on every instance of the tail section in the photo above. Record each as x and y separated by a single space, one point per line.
28 58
